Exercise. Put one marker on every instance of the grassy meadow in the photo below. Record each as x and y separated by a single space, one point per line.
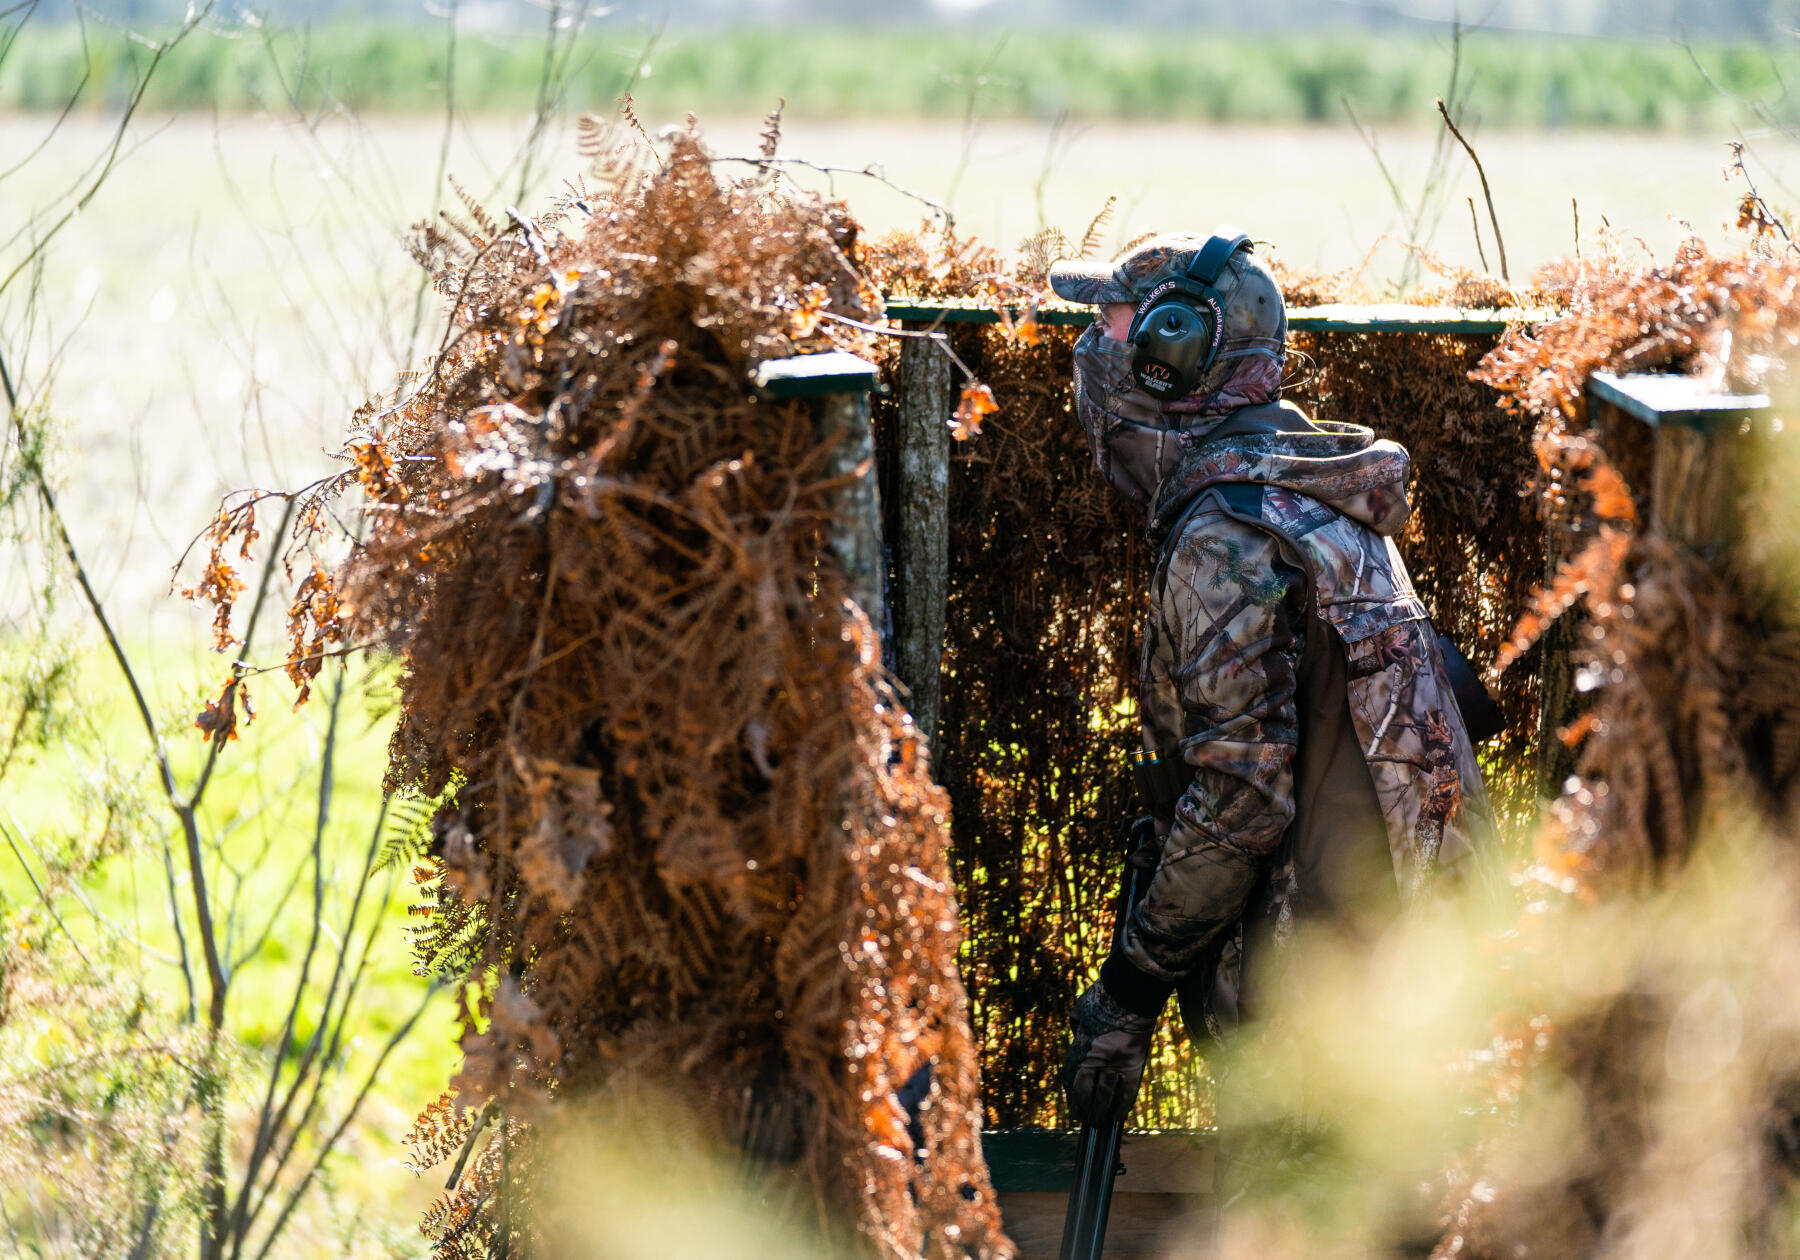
929 73
93 777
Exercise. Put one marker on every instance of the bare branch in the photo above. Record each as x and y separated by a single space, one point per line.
1499 242
329 1143
871 171
1475 223
941 340
1763 215
195 17
270 1119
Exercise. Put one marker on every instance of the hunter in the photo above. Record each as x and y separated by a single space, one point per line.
1310 760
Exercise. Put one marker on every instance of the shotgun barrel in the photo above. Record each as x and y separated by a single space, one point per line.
1090 1198
1097 1164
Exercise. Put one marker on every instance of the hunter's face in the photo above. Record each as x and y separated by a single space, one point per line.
1116 316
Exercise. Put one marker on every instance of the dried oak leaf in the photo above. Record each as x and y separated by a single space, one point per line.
217 721
977 402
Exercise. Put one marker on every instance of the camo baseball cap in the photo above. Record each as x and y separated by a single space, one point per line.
1132 275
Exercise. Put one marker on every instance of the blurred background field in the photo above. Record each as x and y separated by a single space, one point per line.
239 285
1118 71
245 283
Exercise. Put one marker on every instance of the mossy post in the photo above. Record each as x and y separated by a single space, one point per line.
922 536
839 384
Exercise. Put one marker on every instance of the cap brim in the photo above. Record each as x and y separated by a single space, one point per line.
1088 282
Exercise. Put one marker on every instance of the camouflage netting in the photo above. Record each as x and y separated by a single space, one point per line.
689 844
1048 572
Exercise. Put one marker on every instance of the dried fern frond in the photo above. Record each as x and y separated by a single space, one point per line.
1090 239
669 822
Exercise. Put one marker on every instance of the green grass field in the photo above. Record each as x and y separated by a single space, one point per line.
262 804
1521 81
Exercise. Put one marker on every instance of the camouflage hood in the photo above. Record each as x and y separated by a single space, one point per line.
1136 439
1344 466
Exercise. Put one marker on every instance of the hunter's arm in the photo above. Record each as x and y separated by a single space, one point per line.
1226 628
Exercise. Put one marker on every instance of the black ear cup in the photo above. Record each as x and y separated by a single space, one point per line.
1175 334
1171 347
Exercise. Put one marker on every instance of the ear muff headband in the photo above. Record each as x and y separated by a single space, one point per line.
1210 262
1178 328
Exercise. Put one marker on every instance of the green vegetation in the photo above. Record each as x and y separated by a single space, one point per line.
92 775
105 995
926 73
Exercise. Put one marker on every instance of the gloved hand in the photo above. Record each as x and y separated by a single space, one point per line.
1106 1060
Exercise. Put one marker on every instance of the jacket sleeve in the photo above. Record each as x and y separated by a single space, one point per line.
1222 650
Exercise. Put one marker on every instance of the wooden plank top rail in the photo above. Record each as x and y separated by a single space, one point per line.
815 375
1391 317
1661 399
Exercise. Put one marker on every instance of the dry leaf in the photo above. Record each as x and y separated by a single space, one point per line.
977 403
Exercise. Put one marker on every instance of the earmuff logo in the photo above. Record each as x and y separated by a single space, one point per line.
1179 327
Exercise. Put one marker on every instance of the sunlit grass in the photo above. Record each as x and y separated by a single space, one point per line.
96 778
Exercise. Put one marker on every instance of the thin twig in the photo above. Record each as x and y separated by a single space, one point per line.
296 1130
871 171
271 1119
1369 142
1499 241
330 1141
74 98
971 119
1769 216
1475 223
44 896
423 284
187 972
1055 140
475 1130
236 509
943 342
120 130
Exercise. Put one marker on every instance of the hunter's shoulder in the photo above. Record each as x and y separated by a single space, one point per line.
1215 524
1218 561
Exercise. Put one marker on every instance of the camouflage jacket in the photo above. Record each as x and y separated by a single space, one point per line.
1288 663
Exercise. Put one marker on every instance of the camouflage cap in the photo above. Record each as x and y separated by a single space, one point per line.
1133 274
1255 316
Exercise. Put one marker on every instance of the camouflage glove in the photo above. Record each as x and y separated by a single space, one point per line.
1106 1060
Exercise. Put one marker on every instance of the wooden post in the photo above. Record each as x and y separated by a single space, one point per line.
922 544
772 1123
1694 452
1681 464
840 384
1558 702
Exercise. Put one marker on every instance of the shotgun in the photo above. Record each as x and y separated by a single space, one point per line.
1097 1164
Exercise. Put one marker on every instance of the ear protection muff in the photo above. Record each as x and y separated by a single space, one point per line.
1180 325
